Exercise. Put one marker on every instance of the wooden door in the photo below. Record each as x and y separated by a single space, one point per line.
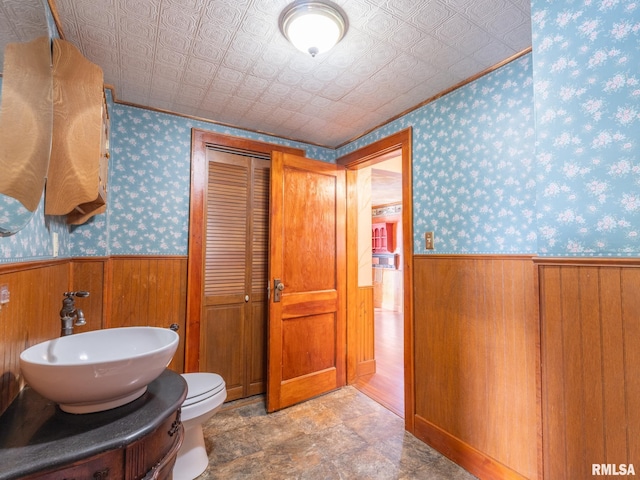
307 318
234 306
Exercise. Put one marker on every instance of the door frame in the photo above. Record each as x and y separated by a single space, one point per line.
200 141
371 154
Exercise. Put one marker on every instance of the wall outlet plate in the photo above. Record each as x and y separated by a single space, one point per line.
428 240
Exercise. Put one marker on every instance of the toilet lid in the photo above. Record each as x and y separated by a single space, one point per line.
201 386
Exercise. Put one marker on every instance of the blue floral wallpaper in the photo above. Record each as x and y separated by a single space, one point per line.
473 165
149 182
51 21
148 203
34 241
540 156
587 99
473 173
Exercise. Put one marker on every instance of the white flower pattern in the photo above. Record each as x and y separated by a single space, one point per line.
540 156
474 180
149 183
599 183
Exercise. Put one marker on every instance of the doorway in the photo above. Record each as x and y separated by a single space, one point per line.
380 331
227 281
383 219
356 347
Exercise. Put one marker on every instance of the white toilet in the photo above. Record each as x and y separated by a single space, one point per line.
205 394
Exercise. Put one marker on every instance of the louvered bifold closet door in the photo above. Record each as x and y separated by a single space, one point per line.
233 329
257 350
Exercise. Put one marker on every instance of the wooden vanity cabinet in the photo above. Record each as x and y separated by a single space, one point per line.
150 457
137 440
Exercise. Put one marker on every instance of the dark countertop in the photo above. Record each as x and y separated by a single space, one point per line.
35 435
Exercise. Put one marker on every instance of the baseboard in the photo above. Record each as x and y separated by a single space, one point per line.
469 458
366 367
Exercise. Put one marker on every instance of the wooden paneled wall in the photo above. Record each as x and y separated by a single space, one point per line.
89 274
30 317
590 322
476 362
365 354
478 390
124 291
149 291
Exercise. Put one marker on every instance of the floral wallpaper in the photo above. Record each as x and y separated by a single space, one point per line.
34 241
149 182
587 99
473 165
540 156
473 173
148 203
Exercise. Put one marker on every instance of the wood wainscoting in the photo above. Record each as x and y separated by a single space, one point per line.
148 291
90 274
30 317
135 290
365 348
477 362
590 325
124 291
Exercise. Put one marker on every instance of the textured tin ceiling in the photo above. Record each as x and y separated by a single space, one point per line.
21 21
226 60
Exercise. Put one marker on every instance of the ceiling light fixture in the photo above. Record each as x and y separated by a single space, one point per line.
313 27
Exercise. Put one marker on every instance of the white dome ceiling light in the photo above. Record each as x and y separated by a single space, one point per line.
313 27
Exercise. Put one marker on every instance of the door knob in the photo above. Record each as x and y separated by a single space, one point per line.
278 287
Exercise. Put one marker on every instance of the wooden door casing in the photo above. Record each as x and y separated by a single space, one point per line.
360 338
307 327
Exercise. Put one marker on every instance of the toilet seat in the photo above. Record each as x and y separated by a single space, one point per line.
201 386
206 392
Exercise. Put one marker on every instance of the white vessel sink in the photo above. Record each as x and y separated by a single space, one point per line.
95 371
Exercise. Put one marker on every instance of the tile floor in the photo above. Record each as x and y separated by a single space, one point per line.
340 435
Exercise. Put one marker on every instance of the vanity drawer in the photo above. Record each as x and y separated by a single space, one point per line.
150 457
155 450
105 466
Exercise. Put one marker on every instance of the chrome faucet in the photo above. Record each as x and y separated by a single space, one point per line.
69 315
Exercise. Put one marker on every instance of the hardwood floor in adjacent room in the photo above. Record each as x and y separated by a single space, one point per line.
386 385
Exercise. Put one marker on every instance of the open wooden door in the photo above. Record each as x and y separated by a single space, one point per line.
307 274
